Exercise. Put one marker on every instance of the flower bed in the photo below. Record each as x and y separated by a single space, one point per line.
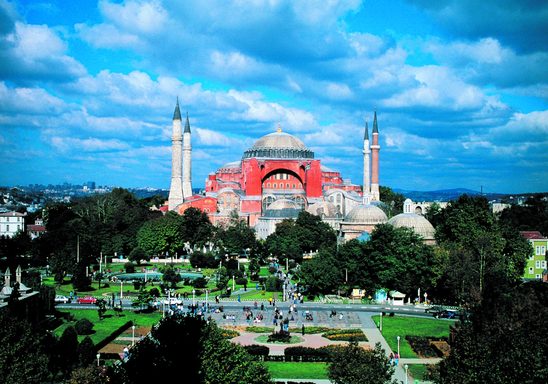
229 333
423 347
345 335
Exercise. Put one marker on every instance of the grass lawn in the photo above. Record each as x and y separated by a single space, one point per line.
103 328
259 295
392 327
280 370
418 371
264 339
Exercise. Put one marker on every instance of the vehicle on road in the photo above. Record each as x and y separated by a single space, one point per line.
86 300
173 301
61 299
446 314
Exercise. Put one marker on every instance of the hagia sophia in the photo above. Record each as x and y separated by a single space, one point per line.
277 178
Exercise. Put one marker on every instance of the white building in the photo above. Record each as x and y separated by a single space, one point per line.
11 223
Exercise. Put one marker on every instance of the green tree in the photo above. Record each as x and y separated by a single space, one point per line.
137 254
392 201
197 229
22 353
88 375
319 273
531 216
205 358
171 276
237 237
86 352
67 346
162 236
355 365
502 341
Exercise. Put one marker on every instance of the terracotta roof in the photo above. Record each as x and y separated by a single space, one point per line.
532 235
36 228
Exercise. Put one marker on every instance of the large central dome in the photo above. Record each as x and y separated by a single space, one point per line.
279 145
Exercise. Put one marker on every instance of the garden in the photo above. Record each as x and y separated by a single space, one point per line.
412 329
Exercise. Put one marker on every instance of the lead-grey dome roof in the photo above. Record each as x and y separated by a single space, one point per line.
279 145
366 214
417 223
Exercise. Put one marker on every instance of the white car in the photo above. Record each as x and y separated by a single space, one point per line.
61 299
173 301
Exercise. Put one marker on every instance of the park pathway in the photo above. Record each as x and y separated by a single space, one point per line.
374 336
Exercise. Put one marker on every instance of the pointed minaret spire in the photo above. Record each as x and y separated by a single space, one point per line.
187 125
187 161
375 148
176 189
366 191
177 112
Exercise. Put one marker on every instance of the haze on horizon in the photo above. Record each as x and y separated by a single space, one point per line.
87 88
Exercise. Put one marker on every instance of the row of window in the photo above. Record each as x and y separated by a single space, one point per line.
7 228
275 185
15 219
540 250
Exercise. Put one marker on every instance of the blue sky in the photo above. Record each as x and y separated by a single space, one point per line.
87 88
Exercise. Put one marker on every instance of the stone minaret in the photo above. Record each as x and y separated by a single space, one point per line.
375 147
187 161
176 189
366 164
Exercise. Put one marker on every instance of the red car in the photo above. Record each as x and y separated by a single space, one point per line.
86 300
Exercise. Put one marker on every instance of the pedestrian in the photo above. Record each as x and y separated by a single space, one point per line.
391 358
396 359
302 330
262 306
239 299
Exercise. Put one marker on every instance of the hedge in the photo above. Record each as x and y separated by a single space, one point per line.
345 335
114 335
257 350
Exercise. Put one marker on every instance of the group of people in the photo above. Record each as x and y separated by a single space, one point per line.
394 359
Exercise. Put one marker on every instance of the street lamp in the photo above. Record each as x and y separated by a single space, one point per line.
233 284
133 337
381 323
98 358
121 289
193 298
406 368
398 346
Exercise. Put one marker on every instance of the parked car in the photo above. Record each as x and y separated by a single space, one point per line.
446 314
61 299
173 301
86 300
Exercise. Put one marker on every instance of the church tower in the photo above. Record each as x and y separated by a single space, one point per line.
366 164
176 188
187 161
375 147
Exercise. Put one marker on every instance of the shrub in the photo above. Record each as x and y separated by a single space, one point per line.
229 333
272 270
154 292
345 335
257 350
84 327
241 281
279 337
200 282
422 346
273 284
129 267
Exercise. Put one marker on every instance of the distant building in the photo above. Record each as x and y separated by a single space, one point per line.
536 263
36 229
11 223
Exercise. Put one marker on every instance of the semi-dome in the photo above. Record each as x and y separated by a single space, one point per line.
279 145
282 208
366 214
323 209
282 204
417 223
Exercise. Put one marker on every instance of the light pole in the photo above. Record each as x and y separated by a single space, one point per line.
121 289
233 284
133 337
193 298
98 358
207 291
381 323
398 346
406 368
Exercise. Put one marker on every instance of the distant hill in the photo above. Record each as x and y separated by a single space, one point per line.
446 194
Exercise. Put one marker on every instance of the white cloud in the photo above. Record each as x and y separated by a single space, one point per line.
65 144
36 101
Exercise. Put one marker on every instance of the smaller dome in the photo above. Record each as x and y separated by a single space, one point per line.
417 223
232 164
282 204
367 214
323 209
